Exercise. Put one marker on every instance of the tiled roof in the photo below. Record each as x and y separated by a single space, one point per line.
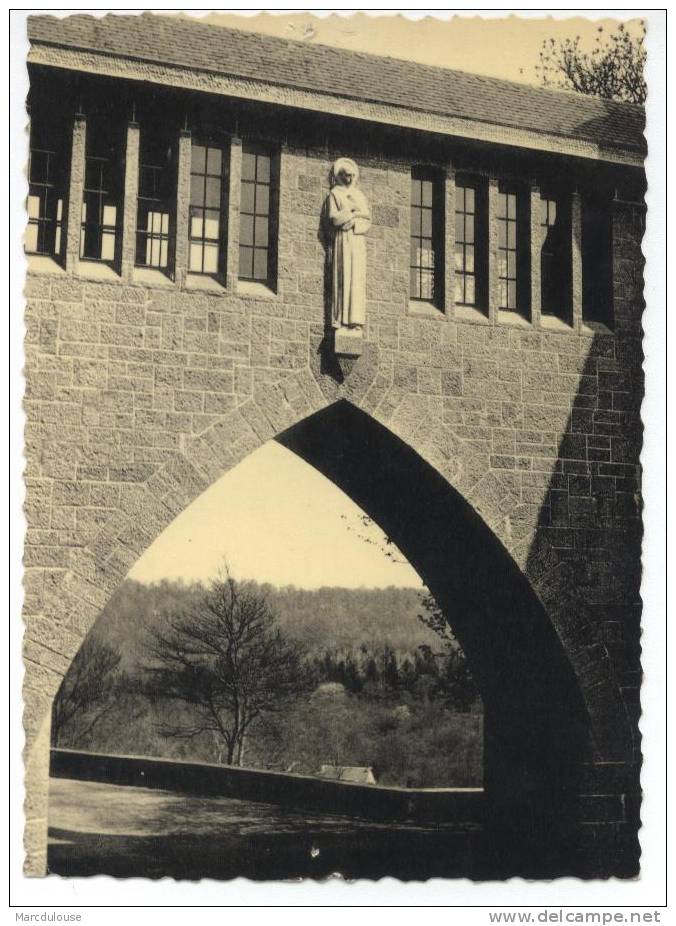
348 74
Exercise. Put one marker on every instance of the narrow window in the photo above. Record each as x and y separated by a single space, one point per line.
597 260
47 184
470 244
555 256
256 215
102 202
207 210
507 249
46 198
155 233
426 235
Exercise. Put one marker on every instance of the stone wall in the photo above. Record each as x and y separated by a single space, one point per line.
140 392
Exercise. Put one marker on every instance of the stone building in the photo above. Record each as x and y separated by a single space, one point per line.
488 418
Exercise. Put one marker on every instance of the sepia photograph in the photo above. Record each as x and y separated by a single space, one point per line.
333 373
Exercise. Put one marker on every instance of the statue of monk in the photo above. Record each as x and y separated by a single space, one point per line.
349 219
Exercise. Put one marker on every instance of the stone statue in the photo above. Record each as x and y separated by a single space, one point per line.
349 218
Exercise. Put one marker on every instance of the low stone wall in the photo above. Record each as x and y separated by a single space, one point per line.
465 805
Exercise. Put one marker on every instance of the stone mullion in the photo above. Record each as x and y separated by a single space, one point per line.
535 238
182 207
234 192
576 259
131 174
76 192
449 242
493 288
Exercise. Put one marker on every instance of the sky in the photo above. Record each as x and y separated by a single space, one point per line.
276 519
496 45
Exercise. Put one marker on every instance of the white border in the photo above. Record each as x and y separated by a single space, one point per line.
649 889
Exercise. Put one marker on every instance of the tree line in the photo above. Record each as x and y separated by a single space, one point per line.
222 681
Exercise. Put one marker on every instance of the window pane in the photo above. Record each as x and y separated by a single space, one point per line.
511 265
247 200
245 262
469 230
511 290
211 224
196 225
39 166
248 166
196 257
426 258
502 235
33 207
197 159
415 222
427 193
459 260
263 168
164 253
511 205
213 193
93 174
427 223
262 200
469 199
197 191
108 246
426 285
416 195
246 229
459 227
260 264
469 296
109 215
469 259
511 235
502 205
32 238
214 161
210 258
261 233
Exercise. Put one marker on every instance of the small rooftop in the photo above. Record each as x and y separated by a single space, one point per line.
470 100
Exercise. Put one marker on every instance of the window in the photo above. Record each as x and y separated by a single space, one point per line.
257 210
426 235
48 165
156 196
597 260
207 210
470 244
555 256
100 232
507 249
46 190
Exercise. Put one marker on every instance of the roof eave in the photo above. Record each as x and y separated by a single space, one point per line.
108 64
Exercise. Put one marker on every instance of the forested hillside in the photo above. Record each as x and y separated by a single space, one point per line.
322 619
380 688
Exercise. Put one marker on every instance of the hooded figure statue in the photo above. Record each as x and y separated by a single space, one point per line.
349 218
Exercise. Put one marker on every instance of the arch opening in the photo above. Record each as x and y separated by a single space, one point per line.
536 727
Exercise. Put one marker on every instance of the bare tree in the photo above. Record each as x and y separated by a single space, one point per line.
86 693
229 662
613 69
